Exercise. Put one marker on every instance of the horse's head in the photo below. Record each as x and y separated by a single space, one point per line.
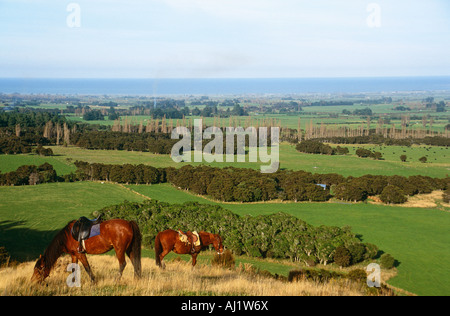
217 243
41 271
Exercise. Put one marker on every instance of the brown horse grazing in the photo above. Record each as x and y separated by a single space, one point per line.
169 240
123 236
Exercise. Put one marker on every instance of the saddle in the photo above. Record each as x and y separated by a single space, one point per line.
190 238
83 229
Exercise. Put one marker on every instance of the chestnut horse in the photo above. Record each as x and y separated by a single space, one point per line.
169 240
123 236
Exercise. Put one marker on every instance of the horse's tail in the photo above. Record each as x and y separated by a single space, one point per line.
158 250
135 249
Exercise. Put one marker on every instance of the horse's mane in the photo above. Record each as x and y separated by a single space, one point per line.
56 247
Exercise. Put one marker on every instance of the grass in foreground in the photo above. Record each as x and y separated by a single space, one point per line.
178 279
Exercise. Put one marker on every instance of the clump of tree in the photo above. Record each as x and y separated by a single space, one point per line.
93 115
393 195
127 173
391 189
29 175
41 151
158 143
365 153
12 145
342 257
30 118
317 147
387 261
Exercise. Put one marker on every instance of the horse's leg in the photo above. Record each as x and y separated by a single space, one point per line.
161 257
135 261
122 262
87 267
194 259
74 260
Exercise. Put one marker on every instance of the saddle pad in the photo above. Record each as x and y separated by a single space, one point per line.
183 237
95 231
197 241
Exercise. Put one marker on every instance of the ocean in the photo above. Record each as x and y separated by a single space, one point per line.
162 87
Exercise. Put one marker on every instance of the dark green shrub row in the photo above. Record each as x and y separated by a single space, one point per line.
277 236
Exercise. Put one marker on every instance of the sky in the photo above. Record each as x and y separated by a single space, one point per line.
223 38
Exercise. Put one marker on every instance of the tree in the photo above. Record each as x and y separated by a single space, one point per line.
387 261
94 115
357 252
342 257
363 153
403 158
377 155
34 178
393 195
350 191
371 251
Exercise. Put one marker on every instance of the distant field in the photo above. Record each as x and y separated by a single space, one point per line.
12 162
438 164
328 115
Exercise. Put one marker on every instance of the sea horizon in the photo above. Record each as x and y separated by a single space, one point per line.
223 86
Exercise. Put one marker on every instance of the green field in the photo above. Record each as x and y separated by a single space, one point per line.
438 164
10 163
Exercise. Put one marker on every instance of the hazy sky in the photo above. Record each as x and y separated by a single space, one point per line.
223 38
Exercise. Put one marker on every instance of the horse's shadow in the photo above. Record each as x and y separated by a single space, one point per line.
23 243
